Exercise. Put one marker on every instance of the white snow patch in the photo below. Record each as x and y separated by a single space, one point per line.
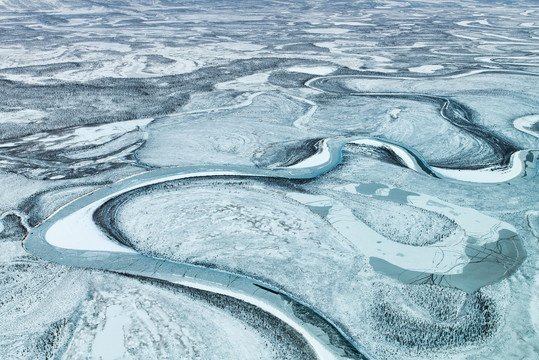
426 69
242 82
321 157
314 70
515 169
92 134
327 31
353 23
394 113
534 306
78 232
467 23
109 343
403 154
22 116
384 70
57 177
524 123
241 46
253 79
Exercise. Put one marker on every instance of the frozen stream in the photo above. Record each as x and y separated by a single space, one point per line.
71 236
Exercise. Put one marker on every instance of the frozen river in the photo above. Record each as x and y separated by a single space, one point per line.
269 179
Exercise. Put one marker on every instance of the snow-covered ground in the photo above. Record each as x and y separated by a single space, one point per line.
374 161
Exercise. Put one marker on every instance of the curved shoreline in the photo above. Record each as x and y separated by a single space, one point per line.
522 164
526 124
71 237
455 113
101 252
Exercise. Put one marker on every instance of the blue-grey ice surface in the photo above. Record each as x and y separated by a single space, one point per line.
269 179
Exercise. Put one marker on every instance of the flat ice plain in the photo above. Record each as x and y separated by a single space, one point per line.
269 179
